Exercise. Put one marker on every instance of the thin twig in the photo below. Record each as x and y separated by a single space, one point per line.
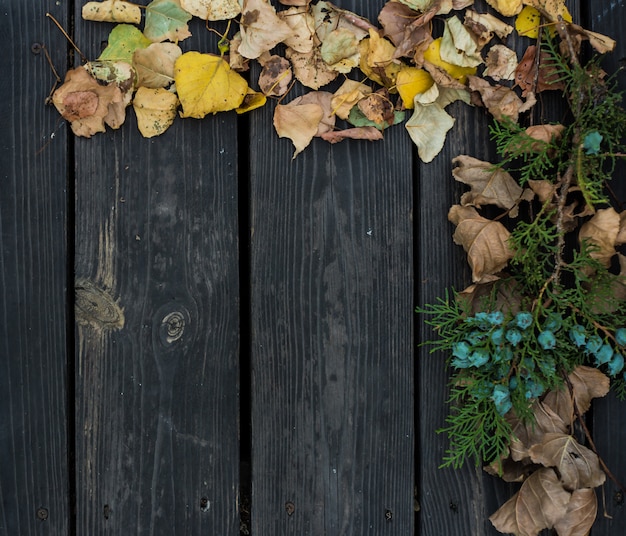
82 56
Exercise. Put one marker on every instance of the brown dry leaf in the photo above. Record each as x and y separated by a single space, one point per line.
329 17
511 471
527 78
539 504
507 298
490 185
324 100
601 43
155 110
484 25
261 28
112 11
501 101
588 383
577 466
543 188
621 235
601 231
408 30
485 241
212 9
378 108
275 76
89 105
348 95
310 69
155 64
356 133
500 63
544 134
552 9
302 27
580 516
295 2
299 123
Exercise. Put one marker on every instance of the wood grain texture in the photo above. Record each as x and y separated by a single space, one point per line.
33 172
158 326
332 300
608 416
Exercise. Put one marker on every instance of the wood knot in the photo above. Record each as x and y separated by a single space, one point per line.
173 326
173 329
96 307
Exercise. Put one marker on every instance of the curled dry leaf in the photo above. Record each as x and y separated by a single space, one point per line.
539 504
458 47
155 65
601 231
261 28
484 240
212 9
580 515
378 108
155 110
490 185
577 466
112 11
357 133
501 101
484 25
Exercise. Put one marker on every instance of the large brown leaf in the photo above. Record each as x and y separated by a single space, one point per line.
539 504
485 241
602 231
588 383
581 514
578 466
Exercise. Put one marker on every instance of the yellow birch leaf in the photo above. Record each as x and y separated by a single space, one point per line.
112 11
508 8
155 110
206 84
411 81
433 55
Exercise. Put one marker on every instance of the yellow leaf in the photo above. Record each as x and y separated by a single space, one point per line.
251 101
552 9
377 60
411 81
529 18
206 84
508 8
432 55
112 11
155 110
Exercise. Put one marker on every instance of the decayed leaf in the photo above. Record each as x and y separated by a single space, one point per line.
349 94
112 11
89 105
527 77
577 466
212 9
501 63
155 110
428 127
457 45
124 39
261 28
490 185
485 241
206 84
276 76
310 69
251 101
552 9
377 108
357 133
501 101
601 231
484 26
302 27
299 123
580 514
539 504
155 64
508 8
166 20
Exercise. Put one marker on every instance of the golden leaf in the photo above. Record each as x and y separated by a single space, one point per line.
155 110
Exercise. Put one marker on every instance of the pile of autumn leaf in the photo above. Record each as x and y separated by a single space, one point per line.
412 70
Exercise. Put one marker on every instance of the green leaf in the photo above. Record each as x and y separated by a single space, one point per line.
358 119
166 20
124 39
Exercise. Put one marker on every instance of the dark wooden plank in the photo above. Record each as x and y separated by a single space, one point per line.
158 324
332 300
609 418
33 171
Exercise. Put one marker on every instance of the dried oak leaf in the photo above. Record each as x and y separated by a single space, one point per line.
538 505
166 20
601 231
261 28
89 105
275 76
155 65
298 122
155 110
490 185
310 69
577 466
484 240
580 515
501 101
112 11
357 133
302 27
212 9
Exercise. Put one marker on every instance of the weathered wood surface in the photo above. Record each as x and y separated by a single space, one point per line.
342 242
34 478
156 261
